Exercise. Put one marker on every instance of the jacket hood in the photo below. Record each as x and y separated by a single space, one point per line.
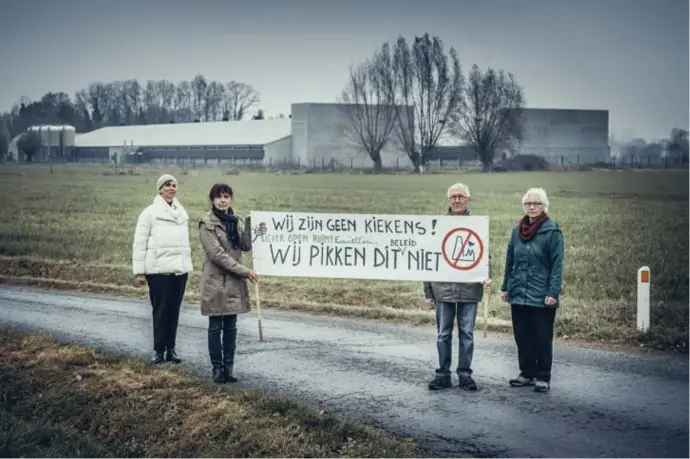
548 226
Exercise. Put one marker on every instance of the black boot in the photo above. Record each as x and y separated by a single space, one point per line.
216 354
171 356
218 375
157 358
229 338
440 382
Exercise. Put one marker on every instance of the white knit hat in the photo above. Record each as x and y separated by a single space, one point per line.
164 178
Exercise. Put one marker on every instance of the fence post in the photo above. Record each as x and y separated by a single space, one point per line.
643 298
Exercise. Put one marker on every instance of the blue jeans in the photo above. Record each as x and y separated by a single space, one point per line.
445 317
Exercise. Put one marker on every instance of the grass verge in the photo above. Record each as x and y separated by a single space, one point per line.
63 400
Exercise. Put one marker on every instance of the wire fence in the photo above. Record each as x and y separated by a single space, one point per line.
400 164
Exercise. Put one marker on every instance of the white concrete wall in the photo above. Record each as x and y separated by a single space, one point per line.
319 137
278 153
569 135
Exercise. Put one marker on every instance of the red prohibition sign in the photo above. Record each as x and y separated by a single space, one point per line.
454 263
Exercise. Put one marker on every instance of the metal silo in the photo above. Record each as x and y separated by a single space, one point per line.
57 141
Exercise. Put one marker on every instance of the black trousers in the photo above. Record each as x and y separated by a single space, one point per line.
533 332
222 353
165 292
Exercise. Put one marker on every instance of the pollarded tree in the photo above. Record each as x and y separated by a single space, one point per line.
491 115
368 107
427 87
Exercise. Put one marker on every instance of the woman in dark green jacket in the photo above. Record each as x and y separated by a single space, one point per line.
532 285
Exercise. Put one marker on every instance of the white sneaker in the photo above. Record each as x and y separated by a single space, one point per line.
542 386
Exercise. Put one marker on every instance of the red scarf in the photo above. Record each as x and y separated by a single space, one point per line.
528 230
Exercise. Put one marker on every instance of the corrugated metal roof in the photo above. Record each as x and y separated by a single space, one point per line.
245 132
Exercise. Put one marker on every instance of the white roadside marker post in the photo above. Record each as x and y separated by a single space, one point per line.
643 300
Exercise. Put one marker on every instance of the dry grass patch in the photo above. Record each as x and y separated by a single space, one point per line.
74 226
69 401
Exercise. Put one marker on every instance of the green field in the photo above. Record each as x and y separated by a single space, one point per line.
73 228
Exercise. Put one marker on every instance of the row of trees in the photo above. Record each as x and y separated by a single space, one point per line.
675 147
130 102
414 94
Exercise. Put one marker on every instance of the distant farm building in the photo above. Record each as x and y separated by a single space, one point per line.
315 137
219 142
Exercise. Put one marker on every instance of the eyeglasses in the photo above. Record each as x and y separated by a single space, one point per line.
458 197
531 204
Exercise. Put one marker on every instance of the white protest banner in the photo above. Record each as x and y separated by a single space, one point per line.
366 246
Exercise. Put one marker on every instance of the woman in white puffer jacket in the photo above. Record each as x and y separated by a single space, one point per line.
162 258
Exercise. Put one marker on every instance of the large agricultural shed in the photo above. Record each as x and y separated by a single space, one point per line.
315 137
218 142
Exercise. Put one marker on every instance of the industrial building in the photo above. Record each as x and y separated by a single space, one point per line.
314 137
319 138
566 135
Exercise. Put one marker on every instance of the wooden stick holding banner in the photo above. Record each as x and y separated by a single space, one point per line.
487 298
258 310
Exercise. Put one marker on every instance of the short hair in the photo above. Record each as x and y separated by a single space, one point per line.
540 194
459 186
219 189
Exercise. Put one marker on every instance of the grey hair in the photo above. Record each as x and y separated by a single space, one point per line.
459 186
540 194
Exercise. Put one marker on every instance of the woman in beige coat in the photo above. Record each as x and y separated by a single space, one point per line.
224 292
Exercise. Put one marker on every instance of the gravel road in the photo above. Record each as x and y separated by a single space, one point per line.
602 403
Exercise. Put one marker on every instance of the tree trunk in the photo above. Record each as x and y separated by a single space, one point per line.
378 165
486 158
418 165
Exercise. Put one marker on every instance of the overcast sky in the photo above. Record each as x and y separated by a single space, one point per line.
627 56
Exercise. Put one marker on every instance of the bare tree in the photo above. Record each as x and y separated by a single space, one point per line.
491 115
368 105
199 87
238 99
184 111
215 94
427 89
